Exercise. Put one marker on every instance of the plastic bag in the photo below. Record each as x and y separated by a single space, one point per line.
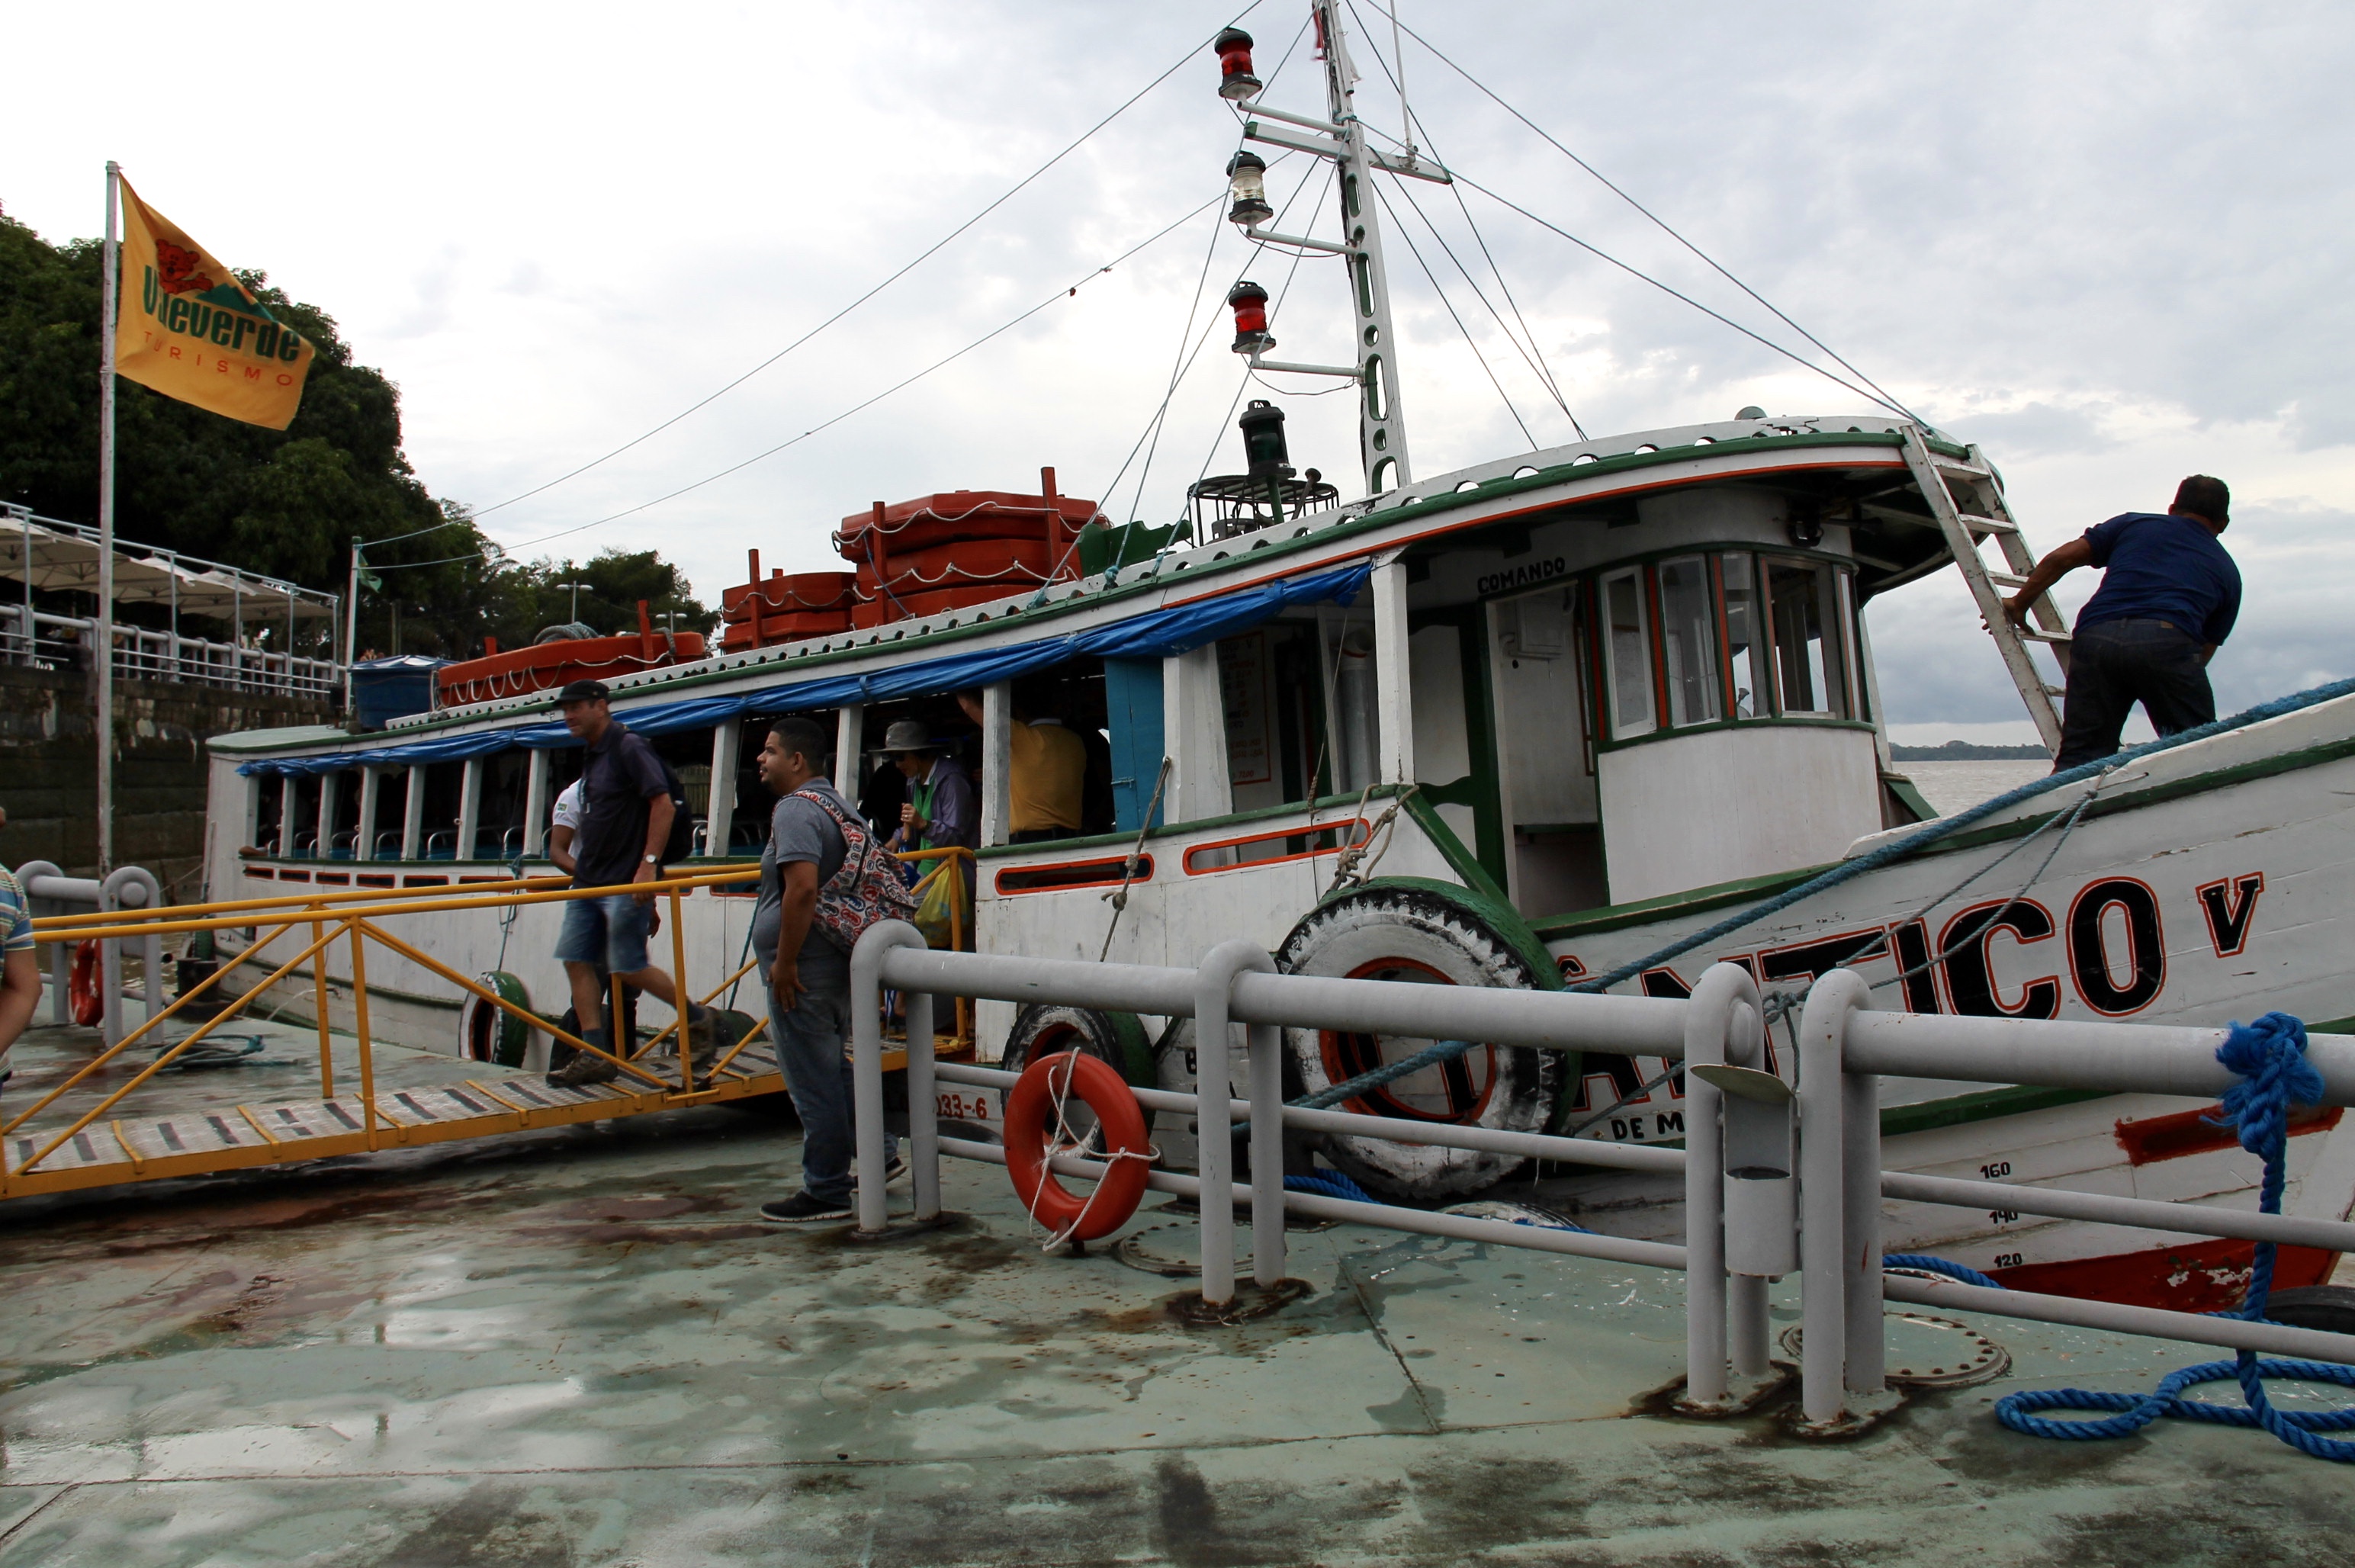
942 899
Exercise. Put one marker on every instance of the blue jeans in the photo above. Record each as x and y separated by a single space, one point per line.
812 1046
610 930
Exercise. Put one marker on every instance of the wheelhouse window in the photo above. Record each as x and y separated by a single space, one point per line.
1745 640
1689 641
1809 667
1626 648
1701 639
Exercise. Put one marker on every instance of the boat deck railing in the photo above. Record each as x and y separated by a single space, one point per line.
64 643
1775 1182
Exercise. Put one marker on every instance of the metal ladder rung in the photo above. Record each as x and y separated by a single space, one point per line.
2005 580
2037 634
1987 524
1949 469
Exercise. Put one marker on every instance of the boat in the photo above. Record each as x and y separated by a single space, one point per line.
1539 722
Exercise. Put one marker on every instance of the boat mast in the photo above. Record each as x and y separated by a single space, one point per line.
1381 421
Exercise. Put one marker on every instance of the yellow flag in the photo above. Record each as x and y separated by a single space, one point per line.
188 329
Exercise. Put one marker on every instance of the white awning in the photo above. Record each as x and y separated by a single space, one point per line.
58 561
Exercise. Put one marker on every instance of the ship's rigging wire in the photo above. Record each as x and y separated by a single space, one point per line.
1878 394
1183 363
1184 366
1890 404
998 331
1192 52
1469 341
1532 354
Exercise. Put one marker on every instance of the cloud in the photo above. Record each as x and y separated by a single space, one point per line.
569 235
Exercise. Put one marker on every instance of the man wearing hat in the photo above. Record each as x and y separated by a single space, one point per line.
625 813
941 808
2170 595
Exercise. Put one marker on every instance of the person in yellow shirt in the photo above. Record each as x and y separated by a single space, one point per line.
1049 775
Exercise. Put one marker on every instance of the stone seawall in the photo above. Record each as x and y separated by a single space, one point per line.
49 783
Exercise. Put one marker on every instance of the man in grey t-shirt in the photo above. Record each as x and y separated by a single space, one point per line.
808 975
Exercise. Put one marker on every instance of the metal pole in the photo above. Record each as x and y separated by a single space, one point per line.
32 652
1213 1049
1382 422
867 1062
1708 1030
1822 1195
923 1108
109 297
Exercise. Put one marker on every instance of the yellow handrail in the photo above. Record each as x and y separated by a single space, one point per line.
164 919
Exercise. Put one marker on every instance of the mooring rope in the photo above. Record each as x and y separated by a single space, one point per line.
2269 1056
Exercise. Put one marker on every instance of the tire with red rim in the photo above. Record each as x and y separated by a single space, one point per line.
1418 935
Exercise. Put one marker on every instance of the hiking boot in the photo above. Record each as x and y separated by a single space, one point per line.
802 1209
586 1067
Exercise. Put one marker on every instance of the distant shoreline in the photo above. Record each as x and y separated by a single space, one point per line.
1964 752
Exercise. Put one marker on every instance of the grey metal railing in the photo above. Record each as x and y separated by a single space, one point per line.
1828 1190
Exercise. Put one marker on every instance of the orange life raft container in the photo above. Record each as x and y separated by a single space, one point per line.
557 662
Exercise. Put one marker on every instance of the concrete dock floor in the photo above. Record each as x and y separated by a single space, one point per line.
581 1347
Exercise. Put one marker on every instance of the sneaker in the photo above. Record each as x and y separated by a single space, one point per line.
585 1067
802 1209
892 1171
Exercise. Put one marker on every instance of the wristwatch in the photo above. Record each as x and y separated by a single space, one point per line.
653 860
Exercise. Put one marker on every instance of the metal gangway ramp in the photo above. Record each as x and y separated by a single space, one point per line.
56 1144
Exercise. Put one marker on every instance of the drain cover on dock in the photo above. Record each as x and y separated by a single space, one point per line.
1924 1351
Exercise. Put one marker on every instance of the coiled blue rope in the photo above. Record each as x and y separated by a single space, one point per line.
1925 1264
2269 1055
1328 1184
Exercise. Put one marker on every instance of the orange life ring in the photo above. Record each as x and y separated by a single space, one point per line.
1031 1106
83 989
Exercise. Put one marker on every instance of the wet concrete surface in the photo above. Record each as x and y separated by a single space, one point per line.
581 1347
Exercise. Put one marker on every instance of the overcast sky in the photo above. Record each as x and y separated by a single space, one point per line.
2108 240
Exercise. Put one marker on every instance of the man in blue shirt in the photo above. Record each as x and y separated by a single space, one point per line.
2169 597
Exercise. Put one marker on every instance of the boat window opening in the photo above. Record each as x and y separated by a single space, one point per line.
1808 668
1352 712
392 810
498 823
882 787
1108 871
303 802
1274 713
1852 640
438 836
1689 641
1626 649
341 835
1545 775
270 809
688 752
1745 642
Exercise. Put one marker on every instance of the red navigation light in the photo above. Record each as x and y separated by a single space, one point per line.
1250 303
1247 174
1235 78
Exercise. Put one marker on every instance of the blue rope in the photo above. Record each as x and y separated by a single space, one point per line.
1946 826
2269 1055
1328 1184
1925 1264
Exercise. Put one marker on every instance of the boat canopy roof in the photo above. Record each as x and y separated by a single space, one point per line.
1214 590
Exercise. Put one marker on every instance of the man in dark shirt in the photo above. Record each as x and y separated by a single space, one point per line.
2168 599
809 977
625 815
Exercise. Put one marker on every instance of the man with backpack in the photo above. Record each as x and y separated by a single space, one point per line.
629 813
825 879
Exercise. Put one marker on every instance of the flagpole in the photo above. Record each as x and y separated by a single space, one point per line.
108 294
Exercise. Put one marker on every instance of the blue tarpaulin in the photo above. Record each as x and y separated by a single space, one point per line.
1159 634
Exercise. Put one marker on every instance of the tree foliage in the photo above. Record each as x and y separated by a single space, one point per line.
284 503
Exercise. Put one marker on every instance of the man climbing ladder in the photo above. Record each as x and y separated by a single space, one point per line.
2169 595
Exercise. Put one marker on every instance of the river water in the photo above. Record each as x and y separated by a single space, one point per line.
1953 786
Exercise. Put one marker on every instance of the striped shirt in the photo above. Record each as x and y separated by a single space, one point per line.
15 916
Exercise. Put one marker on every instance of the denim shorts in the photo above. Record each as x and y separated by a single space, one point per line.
610 930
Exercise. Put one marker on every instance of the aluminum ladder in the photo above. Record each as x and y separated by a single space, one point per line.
1966 495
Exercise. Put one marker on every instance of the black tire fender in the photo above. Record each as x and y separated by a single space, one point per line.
488 1033
1428 932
